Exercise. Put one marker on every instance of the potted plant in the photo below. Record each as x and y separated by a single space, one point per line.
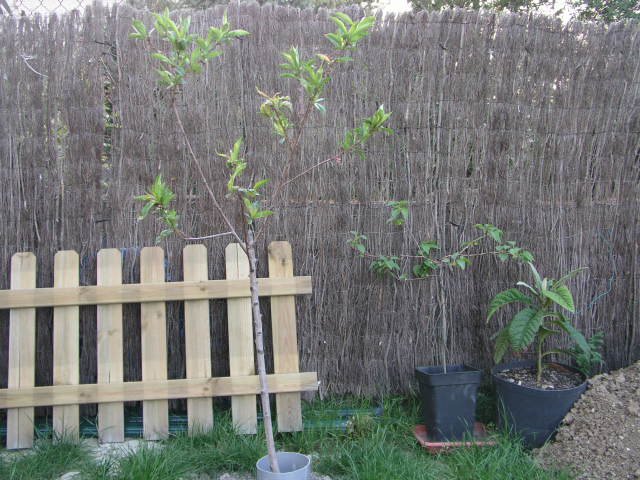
187 55
535 395
448 392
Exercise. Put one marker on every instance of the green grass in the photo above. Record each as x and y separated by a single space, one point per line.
48 459
371 448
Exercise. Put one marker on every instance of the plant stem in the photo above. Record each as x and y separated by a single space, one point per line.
259 341
443 315
539 372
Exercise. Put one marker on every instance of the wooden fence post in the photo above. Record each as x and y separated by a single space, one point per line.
110 347
153 326
197 338
22 351
285 339
66 343
241 358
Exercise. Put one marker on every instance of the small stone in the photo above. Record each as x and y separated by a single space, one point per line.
569 419
633 408
620 378
70 476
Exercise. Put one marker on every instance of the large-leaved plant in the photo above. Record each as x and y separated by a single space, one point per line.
545 303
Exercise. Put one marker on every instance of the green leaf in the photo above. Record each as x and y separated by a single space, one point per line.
145 210
524 327
336 40
161 57
339 23
495 233
575 335
238 33
346 19
536 276
262 214
526 256
512 295
384 265
425 248
260 184
562 296
399 212
463 262
503 342
573 273
140 30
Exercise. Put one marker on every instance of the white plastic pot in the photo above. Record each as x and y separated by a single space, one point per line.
293 466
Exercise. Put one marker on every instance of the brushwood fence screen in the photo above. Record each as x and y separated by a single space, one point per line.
518 121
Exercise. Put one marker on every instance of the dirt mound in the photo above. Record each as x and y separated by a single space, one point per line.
600 437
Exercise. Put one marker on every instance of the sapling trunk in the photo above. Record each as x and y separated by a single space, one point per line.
443 315
539 372
259 341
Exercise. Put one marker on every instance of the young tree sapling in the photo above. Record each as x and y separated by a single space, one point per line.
187 55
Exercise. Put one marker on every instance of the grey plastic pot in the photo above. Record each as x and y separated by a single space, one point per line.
532 413
293 466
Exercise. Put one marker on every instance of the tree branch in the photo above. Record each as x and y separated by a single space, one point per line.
203 177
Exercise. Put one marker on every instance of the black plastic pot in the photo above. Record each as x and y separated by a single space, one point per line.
448 400
532 413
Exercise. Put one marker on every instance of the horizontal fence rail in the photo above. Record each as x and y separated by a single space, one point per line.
62 395
154 292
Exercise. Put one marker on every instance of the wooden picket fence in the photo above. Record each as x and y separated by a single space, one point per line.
110 391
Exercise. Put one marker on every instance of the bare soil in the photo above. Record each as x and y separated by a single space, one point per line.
554 377
600 437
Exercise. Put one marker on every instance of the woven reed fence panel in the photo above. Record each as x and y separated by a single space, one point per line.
517 121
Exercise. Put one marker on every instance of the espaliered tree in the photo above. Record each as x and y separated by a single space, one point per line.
185 56
427 260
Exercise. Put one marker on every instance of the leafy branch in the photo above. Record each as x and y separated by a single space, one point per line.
424 262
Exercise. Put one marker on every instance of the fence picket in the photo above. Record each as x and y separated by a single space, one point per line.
22 351
155 413
241 360
110 347
66 343
197 338
285 340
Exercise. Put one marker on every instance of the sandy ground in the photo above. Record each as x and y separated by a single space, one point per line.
600 436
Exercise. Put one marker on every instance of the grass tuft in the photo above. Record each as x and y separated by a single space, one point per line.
48 459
